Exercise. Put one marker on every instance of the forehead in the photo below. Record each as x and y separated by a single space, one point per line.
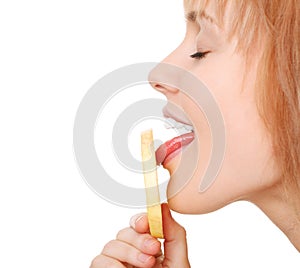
210 10
198 5
195 16
189 3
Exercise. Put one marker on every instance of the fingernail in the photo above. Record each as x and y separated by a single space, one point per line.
143 257
135 219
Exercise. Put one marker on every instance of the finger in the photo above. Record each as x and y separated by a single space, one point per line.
172 229
105 261
143 242
175 244
126 253
140 223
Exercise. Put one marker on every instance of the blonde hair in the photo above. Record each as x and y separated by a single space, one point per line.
276 25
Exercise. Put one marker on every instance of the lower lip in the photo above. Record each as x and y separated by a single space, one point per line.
176 145
171 156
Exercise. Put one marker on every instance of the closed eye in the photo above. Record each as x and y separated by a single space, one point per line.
199 55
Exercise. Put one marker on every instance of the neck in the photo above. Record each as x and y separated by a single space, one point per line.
281 211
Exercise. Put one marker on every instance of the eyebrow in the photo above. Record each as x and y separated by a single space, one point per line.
192 16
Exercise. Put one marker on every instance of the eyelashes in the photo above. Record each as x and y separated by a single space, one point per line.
199 55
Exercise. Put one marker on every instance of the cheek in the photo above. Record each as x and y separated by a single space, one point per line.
247 168
248 148
248 164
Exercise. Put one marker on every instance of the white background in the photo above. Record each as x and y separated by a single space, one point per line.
51 53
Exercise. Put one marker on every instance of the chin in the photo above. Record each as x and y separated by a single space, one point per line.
185 202
175 204
183 195
178 206
188 200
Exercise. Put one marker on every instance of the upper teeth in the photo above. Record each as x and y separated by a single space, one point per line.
171 123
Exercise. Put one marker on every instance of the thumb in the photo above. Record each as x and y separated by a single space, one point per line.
175 244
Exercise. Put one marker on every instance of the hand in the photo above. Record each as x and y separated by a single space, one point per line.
135 247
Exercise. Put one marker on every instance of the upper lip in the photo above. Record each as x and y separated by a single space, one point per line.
179 117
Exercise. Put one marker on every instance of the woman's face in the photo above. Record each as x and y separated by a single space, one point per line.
248 166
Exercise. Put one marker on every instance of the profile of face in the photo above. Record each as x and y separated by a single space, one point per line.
248 165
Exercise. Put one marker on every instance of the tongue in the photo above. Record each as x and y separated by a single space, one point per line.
171 146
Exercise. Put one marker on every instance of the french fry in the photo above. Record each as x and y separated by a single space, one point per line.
151 184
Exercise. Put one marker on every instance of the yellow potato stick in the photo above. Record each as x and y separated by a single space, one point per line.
151 184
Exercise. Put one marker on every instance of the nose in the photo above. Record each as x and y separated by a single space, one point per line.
164 78
167 76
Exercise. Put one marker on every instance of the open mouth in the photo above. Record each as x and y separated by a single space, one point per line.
171 148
